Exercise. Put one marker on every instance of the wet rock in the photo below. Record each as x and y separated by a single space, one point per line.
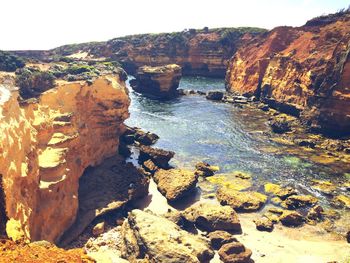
297 201
241 201
234 252
264 107
264 224
280 126
279 191
150 236
161 82
98 229
219 238
215 95
211 217
324 187
342 201
205 169
159 157
291 218
174 184
136 134
348 236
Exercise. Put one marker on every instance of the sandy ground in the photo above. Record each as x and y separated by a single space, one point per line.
306 244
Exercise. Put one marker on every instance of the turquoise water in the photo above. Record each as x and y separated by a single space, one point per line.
224 135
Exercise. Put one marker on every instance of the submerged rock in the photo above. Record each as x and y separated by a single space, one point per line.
235 252
324 187
161 82
219 238
211 217
291 218
241 201
175 184
280 126
148 236
159 157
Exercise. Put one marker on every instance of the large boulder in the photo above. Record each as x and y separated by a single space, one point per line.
145 235
247 201
161 82
297 201
211 217
175 184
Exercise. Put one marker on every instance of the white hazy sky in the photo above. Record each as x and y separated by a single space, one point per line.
45 24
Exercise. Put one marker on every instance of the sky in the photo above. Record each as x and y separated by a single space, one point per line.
45 24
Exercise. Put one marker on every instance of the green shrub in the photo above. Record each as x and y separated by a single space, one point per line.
79 69
9 62
33 82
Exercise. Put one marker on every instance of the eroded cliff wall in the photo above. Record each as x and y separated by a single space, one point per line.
307 68
47 143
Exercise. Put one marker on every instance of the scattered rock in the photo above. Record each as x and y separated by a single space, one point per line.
264 107
275 210
264 224
150 236
315 214
241 201
276 201
175 183
205 169
234 252
98 229
279 191
242 175
305 143
161 82
146 138
215 95
331 214
219 238
342 201
159 157
297 201
211 217
348 236
291 218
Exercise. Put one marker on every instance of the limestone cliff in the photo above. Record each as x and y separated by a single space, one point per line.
300 69
199 52
47 143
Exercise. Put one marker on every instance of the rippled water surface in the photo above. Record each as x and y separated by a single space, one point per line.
224 135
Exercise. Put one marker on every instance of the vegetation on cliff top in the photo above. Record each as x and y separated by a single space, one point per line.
9 62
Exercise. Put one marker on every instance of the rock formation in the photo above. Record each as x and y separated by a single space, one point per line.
300 70
199 52
161 82
48 142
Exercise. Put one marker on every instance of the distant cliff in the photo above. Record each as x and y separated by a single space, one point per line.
305 68
199 52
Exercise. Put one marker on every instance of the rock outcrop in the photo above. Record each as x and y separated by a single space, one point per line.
160 82
150 236
302 71
48 142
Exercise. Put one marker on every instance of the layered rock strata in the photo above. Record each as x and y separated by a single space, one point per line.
47 143
302 71
161 82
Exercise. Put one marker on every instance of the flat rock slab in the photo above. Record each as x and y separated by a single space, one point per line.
104 188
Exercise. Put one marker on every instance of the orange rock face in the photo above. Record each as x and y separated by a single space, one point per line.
47 144
306 68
